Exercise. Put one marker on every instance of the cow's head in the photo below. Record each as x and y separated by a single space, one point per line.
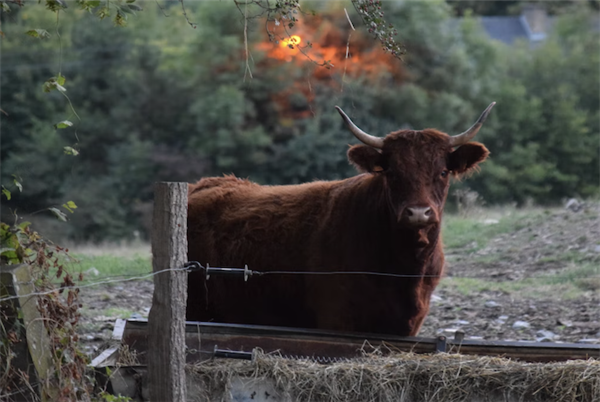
416 166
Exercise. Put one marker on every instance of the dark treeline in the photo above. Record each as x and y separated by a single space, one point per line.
157 101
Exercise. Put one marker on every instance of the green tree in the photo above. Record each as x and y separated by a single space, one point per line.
160 103
544 142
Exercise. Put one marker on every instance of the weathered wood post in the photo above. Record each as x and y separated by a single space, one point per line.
16 280
166 322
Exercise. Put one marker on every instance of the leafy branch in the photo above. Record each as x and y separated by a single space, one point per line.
283 15
17 183
101 9
106 8
57 83
372 16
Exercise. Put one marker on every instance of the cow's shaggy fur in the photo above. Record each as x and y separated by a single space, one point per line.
353 225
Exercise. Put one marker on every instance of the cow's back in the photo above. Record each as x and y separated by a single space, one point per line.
232 223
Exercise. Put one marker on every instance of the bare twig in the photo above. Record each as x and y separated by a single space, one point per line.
347 49
348 18
161 9
192 24
247 70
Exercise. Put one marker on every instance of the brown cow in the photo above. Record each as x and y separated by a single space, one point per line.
386 220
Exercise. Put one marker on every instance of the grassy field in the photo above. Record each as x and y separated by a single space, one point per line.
105 262
575 281
473 232
551 253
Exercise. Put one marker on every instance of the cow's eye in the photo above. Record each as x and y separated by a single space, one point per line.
444 173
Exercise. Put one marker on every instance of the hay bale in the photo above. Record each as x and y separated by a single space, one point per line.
404 377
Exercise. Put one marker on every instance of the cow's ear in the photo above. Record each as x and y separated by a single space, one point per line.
467 157
366 159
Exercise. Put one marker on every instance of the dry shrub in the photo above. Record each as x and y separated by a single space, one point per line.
408 377
128 356
58 306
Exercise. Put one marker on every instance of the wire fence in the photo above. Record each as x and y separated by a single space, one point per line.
92 284
193 266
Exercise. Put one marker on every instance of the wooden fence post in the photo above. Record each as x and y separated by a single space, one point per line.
166 321
16 280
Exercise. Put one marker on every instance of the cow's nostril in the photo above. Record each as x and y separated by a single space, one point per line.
418 215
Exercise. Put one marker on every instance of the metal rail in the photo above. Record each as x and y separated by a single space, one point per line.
202 339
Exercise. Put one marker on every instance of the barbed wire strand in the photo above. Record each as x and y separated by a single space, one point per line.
47 292
135 277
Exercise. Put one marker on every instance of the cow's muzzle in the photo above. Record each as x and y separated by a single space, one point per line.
418 216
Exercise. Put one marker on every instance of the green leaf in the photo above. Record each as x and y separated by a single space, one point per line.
59 214
55 83
6 193
55 5
71 151
11 255
5 7
126 10
103 13
62 3
17 181
23 225
48 87
63 124
69 206
89 5
135 7
120 19
4 230
38 33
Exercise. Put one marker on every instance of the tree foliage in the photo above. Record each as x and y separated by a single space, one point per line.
546 146
159 101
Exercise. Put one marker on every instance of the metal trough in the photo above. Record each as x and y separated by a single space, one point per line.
212 341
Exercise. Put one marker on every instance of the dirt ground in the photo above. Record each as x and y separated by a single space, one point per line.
534 250
537 249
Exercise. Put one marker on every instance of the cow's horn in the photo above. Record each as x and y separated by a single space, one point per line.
375 142
465 137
